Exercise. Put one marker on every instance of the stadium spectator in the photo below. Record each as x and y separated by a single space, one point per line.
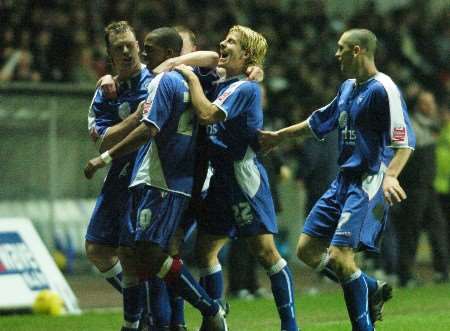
422 209
371 118
442 180
413 48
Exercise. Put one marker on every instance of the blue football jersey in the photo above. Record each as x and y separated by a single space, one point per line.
239 197
372 120
105 225
231 139
104 113
167 160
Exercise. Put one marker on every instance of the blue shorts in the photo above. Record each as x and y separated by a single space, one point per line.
236 209
154 216
110 208
352 213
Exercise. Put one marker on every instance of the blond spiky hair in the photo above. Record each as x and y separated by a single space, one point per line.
252 42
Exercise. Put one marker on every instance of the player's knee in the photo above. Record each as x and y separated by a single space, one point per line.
205 258
101 256
267 257
307 257
150 258
341 261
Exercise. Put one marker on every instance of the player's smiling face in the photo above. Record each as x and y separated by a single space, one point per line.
124 52
232 57
346 56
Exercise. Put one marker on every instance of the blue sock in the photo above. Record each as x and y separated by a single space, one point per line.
159 302
283 293
114 276
356 294
211 279
177 305
132 303
372 284
179 279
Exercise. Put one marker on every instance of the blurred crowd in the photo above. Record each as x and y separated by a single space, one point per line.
62 41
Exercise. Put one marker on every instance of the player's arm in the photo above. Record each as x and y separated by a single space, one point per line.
255 73
205 59
270 139
117 132
207 112
129 144
393 192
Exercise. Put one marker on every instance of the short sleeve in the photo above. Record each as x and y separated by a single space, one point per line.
237 98
391 115
325 119
100 117
158 106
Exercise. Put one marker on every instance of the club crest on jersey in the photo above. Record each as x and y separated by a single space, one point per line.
124 110
343 119
145 218
399 134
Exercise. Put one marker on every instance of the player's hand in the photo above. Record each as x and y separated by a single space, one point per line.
167 65
186 71
92 166
393 192
268 140
255 73
108 86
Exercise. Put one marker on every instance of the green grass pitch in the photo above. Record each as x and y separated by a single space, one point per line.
426 308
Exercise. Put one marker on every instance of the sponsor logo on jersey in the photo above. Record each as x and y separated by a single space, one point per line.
224 96
343 117
17 259
348 135
399 134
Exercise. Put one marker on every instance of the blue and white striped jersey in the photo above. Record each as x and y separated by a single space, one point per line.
372 120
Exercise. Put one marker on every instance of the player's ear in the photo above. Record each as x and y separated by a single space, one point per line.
356 50
246 56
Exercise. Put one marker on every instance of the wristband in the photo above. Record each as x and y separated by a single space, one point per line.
106 157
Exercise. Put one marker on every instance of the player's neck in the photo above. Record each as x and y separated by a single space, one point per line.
366 72
127 74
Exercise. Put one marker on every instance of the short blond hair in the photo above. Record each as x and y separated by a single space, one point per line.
252 42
